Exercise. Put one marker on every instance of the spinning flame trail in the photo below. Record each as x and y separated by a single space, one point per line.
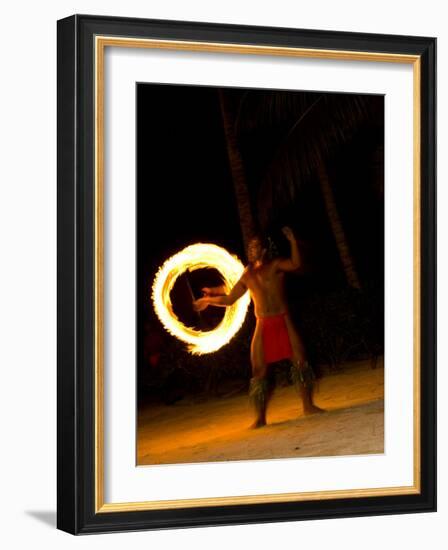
200 256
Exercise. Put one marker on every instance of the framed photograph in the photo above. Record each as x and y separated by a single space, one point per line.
246 274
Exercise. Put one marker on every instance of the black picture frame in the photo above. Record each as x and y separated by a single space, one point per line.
76 474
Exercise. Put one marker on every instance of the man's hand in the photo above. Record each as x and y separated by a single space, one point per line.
201 304
287 232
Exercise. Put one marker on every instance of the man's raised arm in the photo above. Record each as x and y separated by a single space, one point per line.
293 263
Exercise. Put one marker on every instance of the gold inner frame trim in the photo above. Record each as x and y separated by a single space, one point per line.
101 42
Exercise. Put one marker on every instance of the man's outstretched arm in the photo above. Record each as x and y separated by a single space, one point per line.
293 263
224 300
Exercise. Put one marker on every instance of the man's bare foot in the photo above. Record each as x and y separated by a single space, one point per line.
312 409
259 423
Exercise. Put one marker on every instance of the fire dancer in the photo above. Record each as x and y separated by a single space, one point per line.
275 337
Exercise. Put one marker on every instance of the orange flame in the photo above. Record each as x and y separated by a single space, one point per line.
199 256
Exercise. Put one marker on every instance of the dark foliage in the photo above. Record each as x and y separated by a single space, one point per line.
179 374
341 324
284 136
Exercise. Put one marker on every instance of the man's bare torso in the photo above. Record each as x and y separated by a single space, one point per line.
266 287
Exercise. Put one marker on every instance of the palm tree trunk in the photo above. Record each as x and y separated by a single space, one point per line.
336 226
237 169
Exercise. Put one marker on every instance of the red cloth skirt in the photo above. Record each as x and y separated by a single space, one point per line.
275 336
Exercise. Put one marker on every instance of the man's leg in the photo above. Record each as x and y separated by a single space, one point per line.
303 378
260 393
302 374
262 382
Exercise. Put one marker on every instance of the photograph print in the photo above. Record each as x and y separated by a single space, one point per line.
260 274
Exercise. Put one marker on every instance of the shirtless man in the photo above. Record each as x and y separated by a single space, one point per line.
275 337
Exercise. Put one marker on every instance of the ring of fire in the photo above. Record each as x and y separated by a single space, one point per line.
200 256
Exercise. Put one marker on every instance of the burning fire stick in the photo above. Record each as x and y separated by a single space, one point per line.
200 256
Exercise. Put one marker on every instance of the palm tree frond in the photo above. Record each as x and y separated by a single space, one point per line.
325 122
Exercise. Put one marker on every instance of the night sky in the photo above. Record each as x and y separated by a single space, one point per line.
184 192
184 182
